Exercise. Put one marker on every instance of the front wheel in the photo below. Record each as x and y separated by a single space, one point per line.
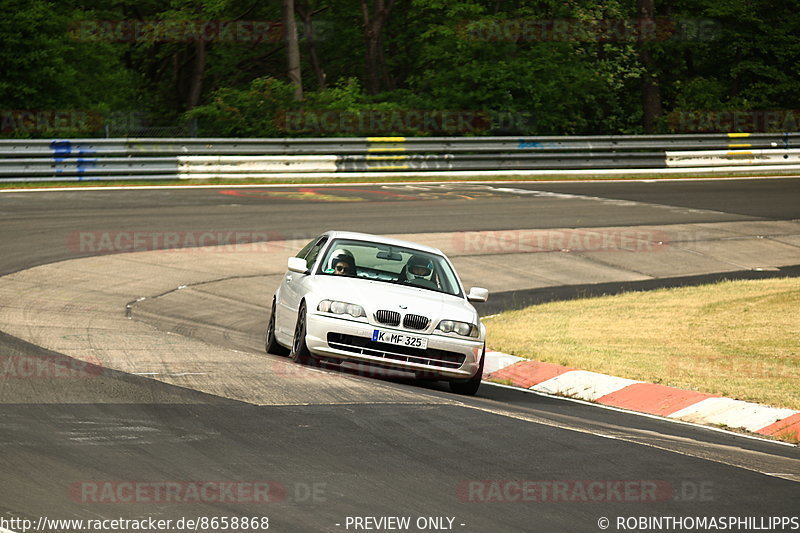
271 344
300 353
468 387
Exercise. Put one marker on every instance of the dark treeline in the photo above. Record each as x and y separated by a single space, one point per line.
397 67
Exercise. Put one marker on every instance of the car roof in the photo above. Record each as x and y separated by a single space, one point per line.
381 240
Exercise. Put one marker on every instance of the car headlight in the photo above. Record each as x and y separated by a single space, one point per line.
341 308
461 328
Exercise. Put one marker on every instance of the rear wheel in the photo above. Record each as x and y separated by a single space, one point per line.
272 345
300 353
468 387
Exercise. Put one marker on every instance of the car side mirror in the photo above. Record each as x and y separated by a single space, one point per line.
478 294
298 264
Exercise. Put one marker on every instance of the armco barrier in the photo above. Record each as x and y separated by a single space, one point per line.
697 158
365 157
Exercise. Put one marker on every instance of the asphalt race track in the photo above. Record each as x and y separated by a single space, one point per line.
319 450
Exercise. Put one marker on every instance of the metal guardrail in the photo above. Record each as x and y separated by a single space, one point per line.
144 159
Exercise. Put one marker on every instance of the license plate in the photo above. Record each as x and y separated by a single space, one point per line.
400 339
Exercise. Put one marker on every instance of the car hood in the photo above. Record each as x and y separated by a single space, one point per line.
375 295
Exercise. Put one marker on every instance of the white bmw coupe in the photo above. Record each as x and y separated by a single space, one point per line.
385 302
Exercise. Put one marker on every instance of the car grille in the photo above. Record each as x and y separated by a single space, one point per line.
365 346
390 318
410 321
416 322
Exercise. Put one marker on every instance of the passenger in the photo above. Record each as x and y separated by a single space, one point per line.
419 271
419 267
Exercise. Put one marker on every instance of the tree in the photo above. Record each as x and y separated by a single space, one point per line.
651 91
292 48
546 66
375 63
306 15
51 65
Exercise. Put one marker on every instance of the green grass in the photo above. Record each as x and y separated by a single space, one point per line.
739 339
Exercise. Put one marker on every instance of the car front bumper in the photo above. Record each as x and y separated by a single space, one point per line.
445 357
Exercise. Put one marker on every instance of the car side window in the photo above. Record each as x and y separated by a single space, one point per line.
307 248
311 258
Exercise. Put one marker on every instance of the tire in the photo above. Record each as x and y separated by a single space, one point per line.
300 353
468 387
271 345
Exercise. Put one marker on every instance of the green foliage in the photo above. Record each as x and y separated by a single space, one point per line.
464 56
46 68
253 112
267 109
347 94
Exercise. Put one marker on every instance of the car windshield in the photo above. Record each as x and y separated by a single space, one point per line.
391 264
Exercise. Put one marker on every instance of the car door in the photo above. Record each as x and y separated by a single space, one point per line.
293 288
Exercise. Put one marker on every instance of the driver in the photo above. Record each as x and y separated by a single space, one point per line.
343 263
